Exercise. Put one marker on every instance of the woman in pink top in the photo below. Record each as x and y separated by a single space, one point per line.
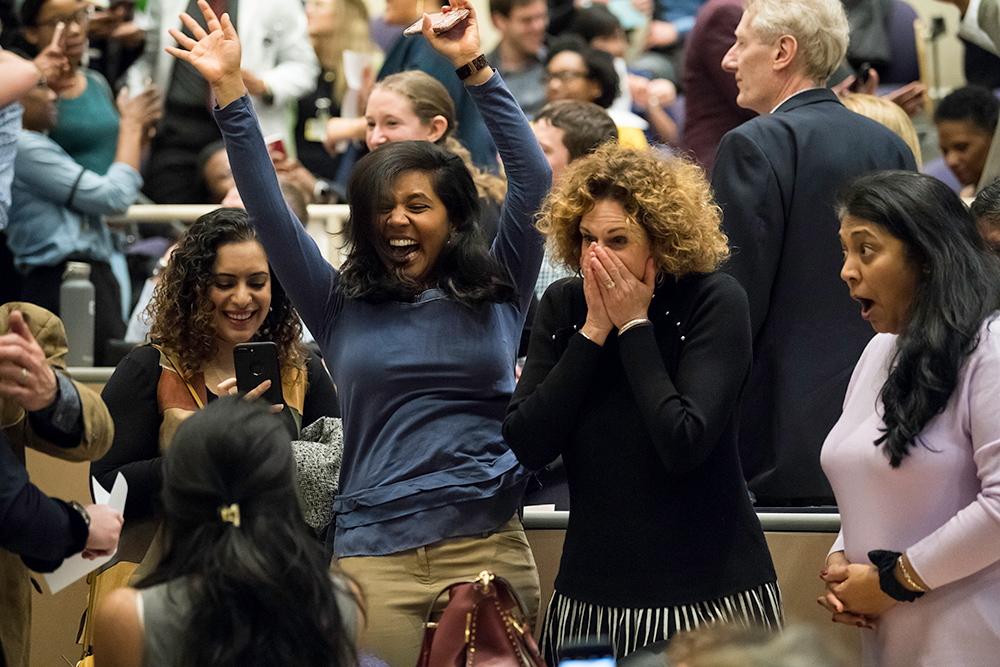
915 458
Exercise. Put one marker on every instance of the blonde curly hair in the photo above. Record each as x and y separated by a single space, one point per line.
666 196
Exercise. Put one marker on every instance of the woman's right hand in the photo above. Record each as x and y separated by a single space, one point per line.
598 325
836 572
52 61
461 44
215 54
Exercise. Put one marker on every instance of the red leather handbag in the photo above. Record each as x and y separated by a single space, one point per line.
482 624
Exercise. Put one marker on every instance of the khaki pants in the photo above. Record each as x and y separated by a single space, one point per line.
398 588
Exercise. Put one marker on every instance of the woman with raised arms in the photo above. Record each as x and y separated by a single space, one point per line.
420 328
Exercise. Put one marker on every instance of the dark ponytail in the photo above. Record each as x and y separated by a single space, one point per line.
262 589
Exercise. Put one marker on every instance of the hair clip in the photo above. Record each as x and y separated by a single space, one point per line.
230 514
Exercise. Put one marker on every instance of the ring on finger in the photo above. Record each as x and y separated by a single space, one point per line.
610 284
25 375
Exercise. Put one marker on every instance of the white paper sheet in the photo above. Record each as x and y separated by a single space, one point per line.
76 567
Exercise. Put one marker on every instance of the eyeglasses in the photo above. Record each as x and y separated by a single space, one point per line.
565 76
81 17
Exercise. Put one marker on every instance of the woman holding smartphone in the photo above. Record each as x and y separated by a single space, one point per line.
420 327
216 292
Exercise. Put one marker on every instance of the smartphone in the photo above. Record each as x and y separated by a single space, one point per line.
440 22
861 78
594 653
256 362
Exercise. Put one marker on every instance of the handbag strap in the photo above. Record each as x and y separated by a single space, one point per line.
175 369
486 578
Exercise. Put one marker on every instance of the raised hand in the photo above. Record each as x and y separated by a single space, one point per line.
52 61
26 377
215 54
461 44
145 109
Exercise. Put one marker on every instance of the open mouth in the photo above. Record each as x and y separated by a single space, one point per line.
402 250
866 306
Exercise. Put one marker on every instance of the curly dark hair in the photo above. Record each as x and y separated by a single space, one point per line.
465 268
667 197
959 289
181 311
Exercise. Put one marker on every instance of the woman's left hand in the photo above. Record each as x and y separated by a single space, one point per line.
461 44
856 586
626 297
228 387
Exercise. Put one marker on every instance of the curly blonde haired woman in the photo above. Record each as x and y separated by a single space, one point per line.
634 376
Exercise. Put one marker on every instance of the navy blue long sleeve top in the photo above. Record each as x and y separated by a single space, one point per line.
423 385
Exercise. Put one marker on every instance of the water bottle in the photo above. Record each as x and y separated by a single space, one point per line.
76 308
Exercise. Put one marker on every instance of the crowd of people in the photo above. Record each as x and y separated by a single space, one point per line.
645 319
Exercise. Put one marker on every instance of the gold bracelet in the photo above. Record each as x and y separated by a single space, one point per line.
638 322
586 336
906 575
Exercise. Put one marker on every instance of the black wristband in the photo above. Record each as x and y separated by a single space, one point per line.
885 561
79 526
471 67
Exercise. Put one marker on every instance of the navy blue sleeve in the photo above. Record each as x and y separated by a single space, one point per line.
130 394
308 279
32 525
518 245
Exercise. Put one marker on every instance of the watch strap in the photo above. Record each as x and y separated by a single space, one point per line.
79 525
471 67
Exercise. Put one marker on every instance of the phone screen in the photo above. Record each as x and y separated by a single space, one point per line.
605 661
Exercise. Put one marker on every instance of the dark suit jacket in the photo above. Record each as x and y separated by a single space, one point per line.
710 92
776 178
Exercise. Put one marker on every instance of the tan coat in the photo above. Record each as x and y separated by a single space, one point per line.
15 586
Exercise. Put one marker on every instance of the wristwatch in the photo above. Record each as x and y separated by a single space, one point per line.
470 68
79 524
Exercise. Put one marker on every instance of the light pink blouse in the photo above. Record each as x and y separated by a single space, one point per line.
941 507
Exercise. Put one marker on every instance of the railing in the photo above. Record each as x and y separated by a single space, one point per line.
91 374
789 522
778 522
324 224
